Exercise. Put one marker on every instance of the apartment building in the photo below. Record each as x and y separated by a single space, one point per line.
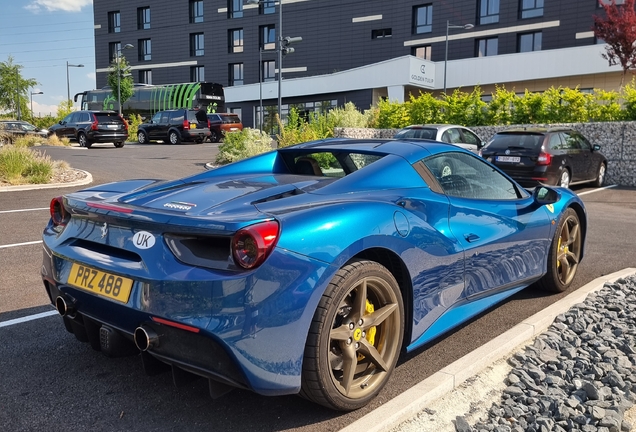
353 50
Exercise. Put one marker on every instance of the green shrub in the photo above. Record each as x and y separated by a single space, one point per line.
425 109
392 115
243 144
19 165
349 117
134 120
465 108
299 130
501 107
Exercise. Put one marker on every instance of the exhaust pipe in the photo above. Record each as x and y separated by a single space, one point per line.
65 306
146 338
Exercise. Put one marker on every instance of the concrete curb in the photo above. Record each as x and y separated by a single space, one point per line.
414 400
86 180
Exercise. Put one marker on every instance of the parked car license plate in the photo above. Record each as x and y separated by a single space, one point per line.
193 125
100 283
508 159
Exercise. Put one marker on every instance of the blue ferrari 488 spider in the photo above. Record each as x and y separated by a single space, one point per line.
307 269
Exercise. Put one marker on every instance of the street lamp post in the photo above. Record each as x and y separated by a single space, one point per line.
32 93
260 88
68 81
452 26
279 37
127 46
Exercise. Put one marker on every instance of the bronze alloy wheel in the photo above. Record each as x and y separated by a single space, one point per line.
355 338
565 253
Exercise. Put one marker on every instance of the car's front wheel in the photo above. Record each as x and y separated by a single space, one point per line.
600 176
174 138
565 253
81 139
142 138
119 144
355 337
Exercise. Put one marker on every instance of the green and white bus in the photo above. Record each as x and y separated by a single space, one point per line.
148 99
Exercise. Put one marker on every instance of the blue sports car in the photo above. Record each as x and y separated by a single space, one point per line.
306 269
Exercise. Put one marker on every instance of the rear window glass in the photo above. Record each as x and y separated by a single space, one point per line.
176 117
328 164
107 117
230 119
527 141
417 133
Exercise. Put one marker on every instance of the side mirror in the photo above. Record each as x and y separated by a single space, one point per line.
544 195
62 122
596 147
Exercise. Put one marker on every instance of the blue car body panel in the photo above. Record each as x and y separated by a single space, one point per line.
459 256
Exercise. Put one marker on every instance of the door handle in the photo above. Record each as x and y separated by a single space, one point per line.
471 237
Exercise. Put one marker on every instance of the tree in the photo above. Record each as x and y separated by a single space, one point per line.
125 81
14 88
618 30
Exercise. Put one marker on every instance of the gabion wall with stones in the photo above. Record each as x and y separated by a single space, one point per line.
617 141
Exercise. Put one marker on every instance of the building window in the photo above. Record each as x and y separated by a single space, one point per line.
531 8
235 40
196 11
487 47
197 73
145 49
113 49
145 76
530 42
488 11
269 70
600 3
381 33
268 37
236 74
423 19
196 45
235 8
114 22
143 18
266 7
423 52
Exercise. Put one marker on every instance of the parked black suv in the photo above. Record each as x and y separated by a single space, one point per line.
174 126
88 127
552 156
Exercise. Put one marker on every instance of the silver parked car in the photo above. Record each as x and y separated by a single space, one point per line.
459 135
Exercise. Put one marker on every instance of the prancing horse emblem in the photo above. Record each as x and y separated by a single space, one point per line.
105 230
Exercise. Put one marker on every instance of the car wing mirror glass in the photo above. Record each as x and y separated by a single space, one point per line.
62 122
596 147
544 195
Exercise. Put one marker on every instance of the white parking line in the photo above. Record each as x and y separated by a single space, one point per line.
597 190
20 244
24 210
27 318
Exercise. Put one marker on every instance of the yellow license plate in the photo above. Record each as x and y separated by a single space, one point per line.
193 125
100 283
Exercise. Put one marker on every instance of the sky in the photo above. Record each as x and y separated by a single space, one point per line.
42 35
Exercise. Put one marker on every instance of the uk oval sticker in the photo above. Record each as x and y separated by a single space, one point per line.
143 240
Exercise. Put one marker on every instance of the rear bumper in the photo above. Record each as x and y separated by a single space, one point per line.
106 137
195 134
244 331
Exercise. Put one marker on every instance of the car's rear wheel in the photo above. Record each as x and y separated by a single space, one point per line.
142 138
119 144
564 254
173 137
214 136
564 179
600 176
355 337
81 139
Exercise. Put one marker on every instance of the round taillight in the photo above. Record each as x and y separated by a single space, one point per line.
252 244
59 216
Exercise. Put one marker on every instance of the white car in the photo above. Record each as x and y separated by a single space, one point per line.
453 134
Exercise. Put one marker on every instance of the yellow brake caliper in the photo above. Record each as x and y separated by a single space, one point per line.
370 332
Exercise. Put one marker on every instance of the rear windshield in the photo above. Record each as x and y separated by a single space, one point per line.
419 133
327 163
507 140
230 118
108 117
